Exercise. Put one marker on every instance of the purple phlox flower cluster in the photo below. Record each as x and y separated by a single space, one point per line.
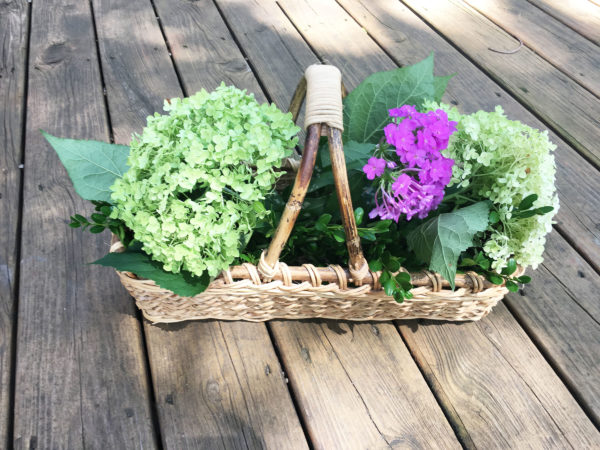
418 186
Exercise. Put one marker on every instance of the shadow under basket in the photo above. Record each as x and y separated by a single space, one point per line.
272 290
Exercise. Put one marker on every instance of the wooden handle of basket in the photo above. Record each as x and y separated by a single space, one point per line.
324 90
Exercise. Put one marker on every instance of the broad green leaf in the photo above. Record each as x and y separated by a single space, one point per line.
441 240
92 165
135 261
366 107
439 86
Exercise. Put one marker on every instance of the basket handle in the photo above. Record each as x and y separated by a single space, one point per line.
324 90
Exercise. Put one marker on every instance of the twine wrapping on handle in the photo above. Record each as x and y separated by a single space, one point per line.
323 98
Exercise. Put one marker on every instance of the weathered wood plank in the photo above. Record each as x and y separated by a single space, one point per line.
557 43
581 15
498 384
210 379
473 90
14 17
323 34
358 386
571 110
273 46
81 377
222 390
561 312
203 49
367 371
13 48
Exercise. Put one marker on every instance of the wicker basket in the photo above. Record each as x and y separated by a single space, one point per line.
273 290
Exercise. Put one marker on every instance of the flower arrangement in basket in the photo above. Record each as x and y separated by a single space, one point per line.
399 206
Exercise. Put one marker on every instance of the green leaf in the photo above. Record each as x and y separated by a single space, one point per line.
494 217
324 219
495 279
511 267
366 107
544 210
441 240
339 235
526 214
439 86
467 262
402 277
74 224
512 286
399 296
79 218
367 235
527 202
359 213
97 229
384 277
524 279
98 218
376 265
92 165
389 287
135 261
393 265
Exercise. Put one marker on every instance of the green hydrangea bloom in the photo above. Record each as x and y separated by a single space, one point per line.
505 161
198 176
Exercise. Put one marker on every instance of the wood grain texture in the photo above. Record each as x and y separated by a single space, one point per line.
202 47
407 39
325 35
81 378
263 31
209 378
348 387
221 390
582 16
571 110
561 312
358 387
14 17
499 385
558 44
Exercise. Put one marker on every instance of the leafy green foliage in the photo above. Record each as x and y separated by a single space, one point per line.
442 239
141 264
366 107
199 175
92 165
481 263
102 220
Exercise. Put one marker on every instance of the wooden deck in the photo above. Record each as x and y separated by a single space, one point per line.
78 366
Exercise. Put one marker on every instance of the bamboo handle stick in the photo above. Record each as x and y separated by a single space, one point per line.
294 203
342 187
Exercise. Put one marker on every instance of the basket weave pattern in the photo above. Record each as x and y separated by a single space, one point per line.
244 300
272 290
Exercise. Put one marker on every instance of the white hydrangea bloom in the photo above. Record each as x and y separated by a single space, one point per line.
505 161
